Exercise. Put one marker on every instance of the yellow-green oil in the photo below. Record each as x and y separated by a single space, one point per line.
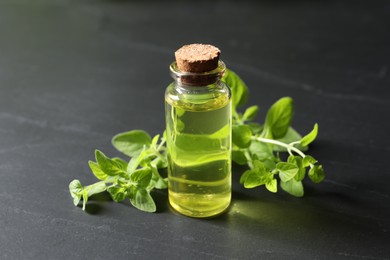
199 152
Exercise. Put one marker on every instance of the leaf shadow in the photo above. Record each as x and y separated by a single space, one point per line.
94 205
161 200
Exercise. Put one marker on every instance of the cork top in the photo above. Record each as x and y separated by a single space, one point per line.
197 58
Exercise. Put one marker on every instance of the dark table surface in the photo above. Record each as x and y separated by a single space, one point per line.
74 73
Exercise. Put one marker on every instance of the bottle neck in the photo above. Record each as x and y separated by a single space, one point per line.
197 79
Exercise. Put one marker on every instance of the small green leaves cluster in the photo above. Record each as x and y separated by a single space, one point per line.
134 179
258 145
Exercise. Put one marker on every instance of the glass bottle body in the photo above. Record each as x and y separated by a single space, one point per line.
198 125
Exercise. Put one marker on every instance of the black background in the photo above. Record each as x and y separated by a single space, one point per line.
75 73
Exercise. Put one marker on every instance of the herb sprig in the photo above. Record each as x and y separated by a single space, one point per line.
256 145
134 179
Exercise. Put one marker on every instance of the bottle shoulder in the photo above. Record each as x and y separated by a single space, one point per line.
198 98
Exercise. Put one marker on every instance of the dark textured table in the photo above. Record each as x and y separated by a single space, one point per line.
74 73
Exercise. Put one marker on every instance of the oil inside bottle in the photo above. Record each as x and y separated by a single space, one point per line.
199 145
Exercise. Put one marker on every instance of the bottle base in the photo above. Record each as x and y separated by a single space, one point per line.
200 206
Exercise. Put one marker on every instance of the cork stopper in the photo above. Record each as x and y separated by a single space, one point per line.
197 58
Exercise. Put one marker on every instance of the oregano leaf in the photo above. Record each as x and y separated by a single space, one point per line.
142 200
310 137
279 117
293 187
241 135
238 88
287 171
97 171
272 185
155 140
238 157
253 179
107 165
316 174
260 151
308 160
131 143
297 160
76 191
141 177
118 194
95 188
123 164
250 113
255 127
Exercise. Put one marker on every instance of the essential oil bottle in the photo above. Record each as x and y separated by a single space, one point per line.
198 132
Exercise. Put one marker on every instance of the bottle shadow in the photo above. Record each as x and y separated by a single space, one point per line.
321 215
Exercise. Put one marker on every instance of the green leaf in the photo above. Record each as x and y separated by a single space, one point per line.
287 171
297 160
251 179
279 117
143 159
272 185
255 127
141 177
123 164
308 160
244 176
131 143
241 135
238 157
97 171
293 187
310 137
155 140
76 191
238 88
142 200
316 174
269 163
108 166
250 113
164 138
260 151
134 162
95 188
256 176
117 193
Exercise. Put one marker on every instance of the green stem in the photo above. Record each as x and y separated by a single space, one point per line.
289 147
162 142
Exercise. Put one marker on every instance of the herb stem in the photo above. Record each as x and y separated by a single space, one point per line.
289 147
161 144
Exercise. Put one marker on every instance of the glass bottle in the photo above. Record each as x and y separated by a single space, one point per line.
198 132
